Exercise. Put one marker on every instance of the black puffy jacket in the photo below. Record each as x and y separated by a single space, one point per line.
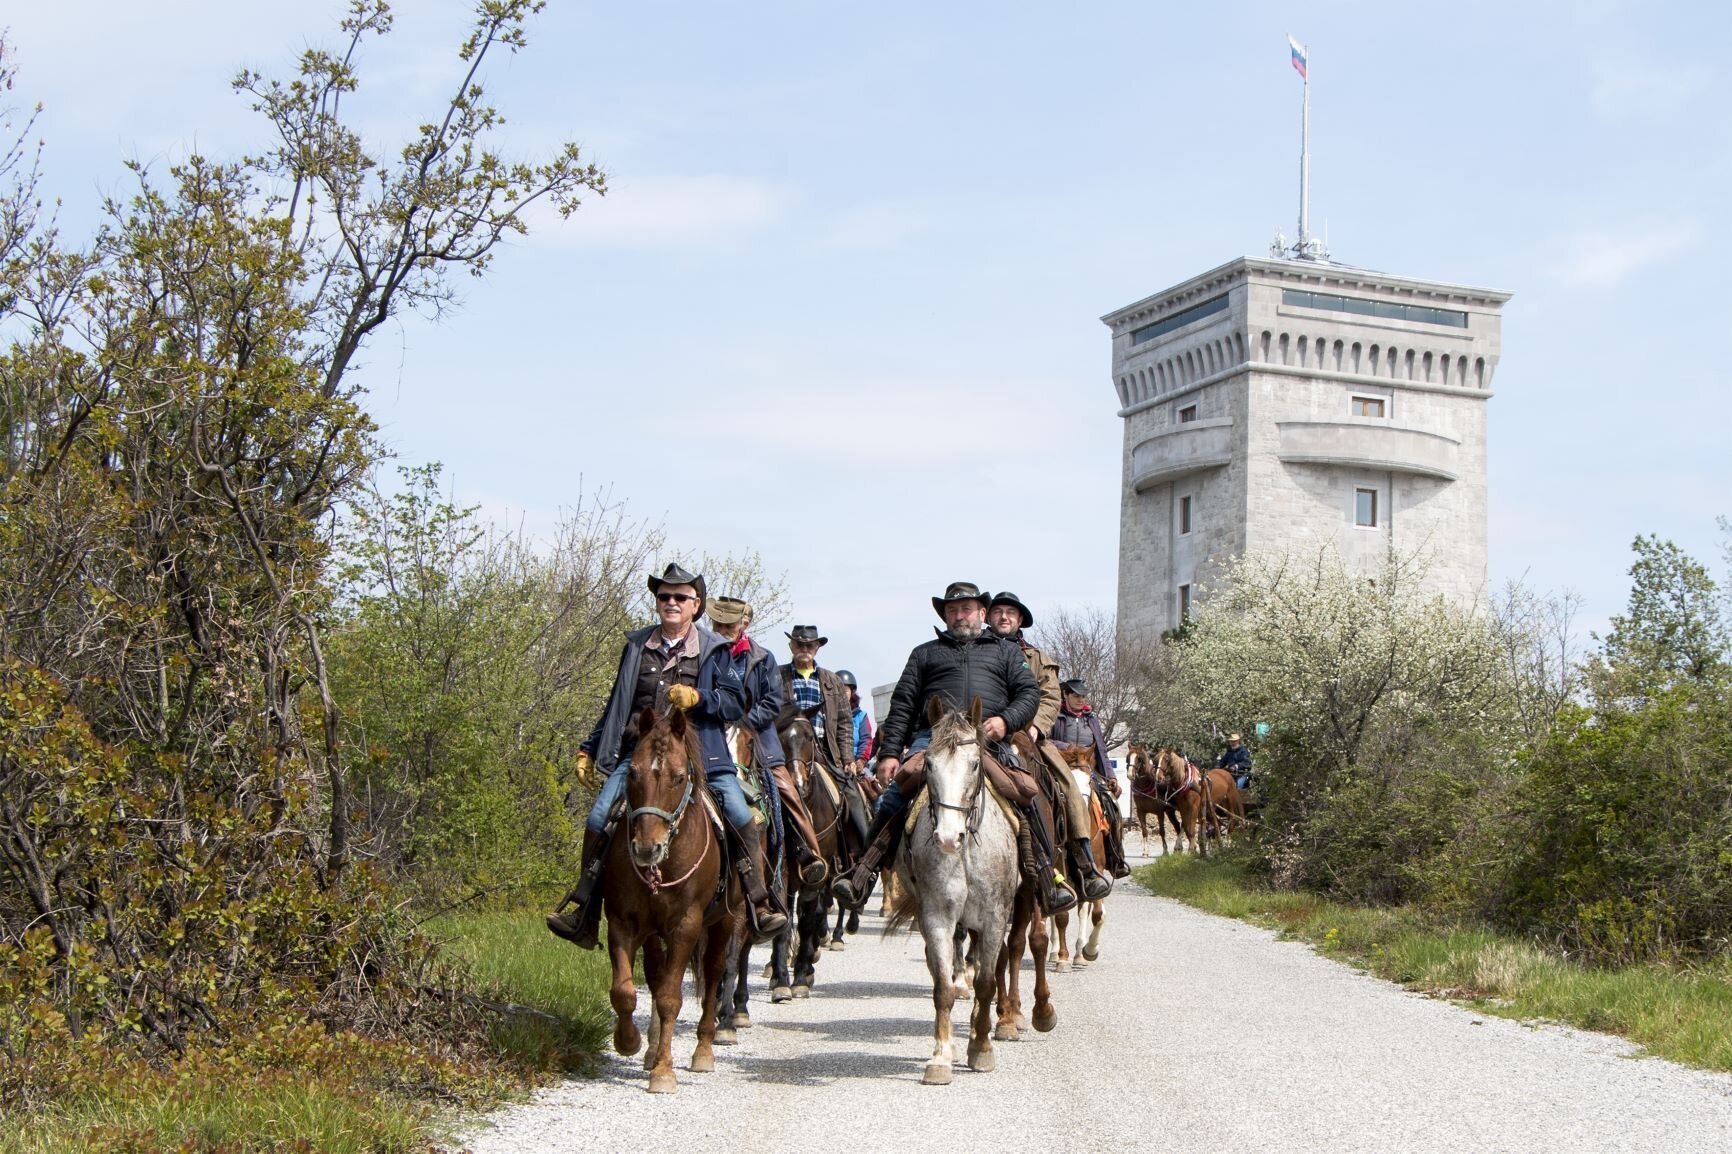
986 667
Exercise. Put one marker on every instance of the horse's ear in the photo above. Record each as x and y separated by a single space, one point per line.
934 709
974 712
677 725
646 721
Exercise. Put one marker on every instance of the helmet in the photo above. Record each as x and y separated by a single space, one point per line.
847 679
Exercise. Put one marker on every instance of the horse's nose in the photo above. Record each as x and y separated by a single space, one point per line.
949 843
648 855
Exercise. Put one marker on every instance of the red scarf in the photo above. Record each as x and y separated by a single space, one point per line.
740 646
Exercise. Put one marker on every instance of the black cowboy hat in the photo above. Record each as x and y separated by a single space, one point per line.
1075 685
806 633
960 591
1011 599
675 575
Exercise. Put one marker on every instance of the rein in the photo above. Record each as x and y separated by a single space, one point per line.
653 880
808 785
972 800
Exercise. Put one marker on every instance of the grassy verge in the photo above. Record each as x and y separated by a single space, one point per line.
1682 1015
533 1007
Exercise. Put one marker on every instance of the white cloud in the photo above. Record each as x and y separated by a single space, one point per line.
1637 91
1601 258
680 212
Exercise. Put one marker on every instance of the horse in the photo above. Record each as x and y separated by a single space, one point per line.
1146 799
960 876
732 1014
1201 798
1027 929
668 831
806 931
1081 761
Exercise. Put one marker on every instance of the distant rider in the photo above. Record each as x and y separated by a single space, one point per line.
1078 725
1236 760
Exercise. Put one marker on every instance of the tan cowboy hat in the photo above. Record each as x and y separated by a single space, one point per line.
1235 737
729 611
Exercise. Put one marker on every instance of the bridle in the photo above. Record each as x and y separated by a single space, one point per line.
653 880
806 782
972 798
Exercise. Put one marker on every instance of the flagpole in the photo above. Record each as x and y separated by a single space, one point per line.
1305 163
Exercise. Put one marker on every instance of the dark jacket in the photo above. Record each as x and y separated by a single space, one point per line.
1237 760
764 701
838 743
1083 729
957 671
721 700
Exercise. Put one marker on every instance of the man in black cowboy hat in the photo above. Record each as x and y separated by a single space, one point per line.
964 662
1078 725
677 664
1008 617
819 696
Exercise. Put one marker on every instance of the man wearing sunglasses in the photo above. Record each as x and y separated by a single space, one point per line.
679 664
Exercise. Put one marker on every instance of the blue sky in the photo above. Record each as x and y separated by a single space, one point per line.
864 250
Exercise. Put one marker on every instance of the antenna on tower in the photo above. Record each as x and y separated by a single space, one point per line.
1306 246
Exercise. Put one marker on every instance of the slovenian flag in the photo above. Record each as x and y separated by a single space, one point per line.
1298 55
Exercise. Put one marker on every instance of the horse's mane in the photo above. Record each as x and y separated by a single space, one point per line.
951 730
661 741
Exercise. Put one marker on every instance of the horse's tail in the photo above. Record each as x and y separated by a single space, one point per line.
904 910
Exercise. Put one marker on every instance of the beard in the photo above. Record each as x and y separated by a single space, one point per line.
967 630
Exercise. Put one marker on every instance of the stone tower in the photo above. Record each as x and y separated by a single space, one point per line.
1279 406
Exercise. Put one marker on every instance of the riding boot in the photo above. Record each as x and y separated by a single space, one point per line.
582 926
1115 842
1037 868
882 840
767 920
813 871
1095 884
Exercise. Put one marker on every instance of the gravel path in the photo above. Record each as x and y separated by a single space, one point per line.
1192 1033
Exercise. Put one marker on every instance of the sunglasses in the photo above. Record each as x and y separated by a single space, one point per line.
681 597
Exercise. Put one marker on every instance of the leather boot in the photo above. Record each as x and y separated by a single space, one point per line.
582 926
767 920
1036 869
813 871
885 834
1095 884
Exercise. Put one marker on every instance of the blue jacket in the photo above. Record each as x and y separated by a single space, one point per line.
721 700
763 682
1237 760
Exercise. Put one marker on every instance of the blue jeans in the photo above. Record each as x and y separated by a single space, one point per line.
723 784
891 803
608 796
1244 780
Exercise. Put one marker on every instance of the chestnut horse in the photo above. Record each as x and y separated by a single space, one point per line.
1146 799
659 893
1207 800
1081 760
1027 929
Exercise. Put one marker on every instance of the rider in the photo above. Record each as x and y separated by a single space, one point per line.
731 617
965 662
1078 725
862 719
1008 617
1236 760
822 697
676 663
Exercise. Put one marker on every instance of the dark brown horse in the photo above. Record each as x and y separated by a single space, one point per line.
806 902
1027 928
1146 799
660 894
1207 800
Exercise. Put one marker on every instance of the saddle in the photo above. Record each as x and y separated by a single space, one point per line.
919 805
1016 784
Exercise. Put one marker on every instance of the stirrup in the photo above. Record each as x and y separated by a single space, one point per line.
1059 896
1096 886
852 897
814 872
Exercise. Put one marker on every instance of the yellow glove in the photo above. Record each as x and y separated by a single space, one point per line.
585 766
682 697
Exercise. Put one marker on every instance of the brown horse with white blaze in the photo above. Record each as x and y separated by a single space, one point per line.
1207 801
1146 799
659 893
1089 914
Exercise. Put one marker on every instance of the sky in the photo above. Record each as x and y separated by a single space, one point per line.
853 257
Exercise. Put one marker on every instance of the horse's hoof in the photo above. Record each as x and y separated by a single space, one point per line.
703 1063
1004 1032
964 993
802 991
781 994
769 970
726 1036
1044 1021
983 1062
1080 962
1021 1023
1062 967
836 945
1091 955
936 1075
662 1084
627 1040
742 1020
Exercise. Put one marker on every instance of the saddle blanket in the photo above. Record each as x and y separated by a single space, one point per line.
919 805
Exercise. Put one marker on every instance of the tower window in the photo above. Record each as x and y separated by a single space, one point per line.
1187 414
1184 514
1369 407
1365 508
1184 603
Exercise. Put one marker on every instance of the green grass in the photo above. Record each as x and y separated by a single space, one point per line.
1684 1015
513 959
297 1087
